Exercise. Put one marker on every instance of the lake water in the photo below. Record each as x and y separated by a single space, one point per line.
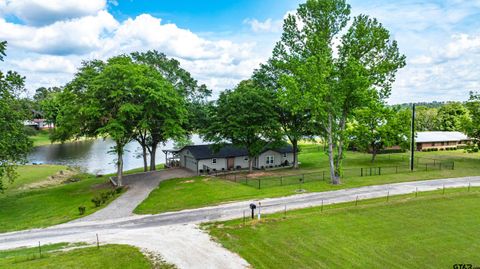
93 155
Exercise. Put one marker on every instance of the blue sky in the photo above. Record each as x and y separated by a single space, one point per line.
221 42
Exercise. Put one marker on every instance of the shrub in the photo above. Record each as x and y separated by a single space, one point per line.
81 210
118 190
97 201
104 196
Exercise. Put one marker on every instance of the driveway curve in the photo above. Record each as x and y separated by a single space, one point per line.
139 187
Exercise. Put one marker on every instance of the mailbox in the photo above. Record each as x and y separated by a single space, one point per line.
252 207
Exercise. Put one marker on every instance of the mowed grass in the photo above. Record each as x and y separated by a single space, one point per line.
41 207
41 138
178 194
107 256
28 174
431 231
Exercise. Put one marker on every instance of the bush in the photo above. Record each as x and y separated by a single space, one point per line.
118 190
97 201
81 210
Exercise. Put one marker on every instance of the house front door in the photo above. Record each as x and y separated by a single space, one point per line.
230 163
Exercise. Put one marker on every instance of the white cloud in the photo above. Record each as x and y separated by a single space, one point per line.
269 25
48 55
45 64
76 36
44 12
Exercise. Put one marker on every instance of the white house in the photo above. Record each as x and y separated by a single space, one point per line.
207 158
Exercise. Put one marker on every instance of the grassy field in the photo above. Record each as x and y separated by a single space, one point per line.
108 256
22 208
41 138
430 231
195 192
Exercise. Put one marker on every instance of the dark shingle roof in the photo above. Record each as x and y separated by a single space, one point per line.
209 151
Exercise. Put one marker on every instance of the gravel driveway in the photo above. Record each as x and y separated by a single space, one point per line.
139 187
176 236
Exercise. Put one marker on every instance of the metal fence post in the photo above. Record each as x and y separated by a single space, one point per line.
396 169
259 180
281 181
426 167
453 165
379 170
39 249
323 175
361 171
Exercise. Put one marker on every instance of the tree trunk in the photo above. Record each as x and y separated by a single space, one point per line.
374 154
333 176
250 164
338 161
295 152
119 165
153 154
144 155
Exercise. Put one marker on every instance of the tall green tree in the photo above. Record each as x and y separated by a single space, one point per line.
14 142
109 99
451 116
295 123
471 125
377 127
194 95
245 117
331 80
426 118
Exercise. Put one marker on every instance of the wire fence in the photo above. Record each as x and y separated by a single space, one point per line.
420 164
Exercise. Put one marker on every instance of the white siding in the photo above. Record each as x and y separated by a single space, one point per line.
240 161
187 160
278 159
221 163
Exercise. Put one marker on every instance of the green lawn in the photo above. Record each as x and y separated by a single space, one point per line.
108 256
28 174
40 207
196 192
431 231
41 138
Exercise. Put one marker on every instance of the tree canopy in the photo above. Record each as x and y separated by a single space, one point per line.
114 99
245 117
14 142
332 74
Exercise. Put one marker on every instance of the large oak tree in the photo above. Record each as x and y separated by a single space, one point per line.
332 70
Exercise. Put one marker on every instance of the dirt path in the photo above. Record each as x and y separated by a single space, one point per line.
139 187
176 236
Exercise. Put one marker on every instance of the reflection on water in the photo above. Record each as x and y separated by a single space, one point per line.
93 155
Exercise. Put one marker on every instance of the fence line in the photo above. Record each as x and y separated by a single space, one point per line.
301 178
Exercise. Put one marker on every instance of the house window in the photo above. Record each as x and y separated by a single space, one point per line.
433 144
246 158
270 159
214 160
284 155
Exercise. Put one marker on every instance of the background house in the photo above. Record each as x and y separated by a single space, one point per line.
440 140
207 158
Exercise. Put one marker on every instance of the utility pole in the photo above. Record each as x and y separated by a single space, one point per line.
412 143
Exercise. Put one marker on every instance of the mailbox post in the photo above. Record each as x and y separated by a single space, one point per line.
252 207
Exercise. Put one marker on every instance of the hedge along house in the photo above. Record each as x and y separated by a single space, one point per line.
440 140
206 158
